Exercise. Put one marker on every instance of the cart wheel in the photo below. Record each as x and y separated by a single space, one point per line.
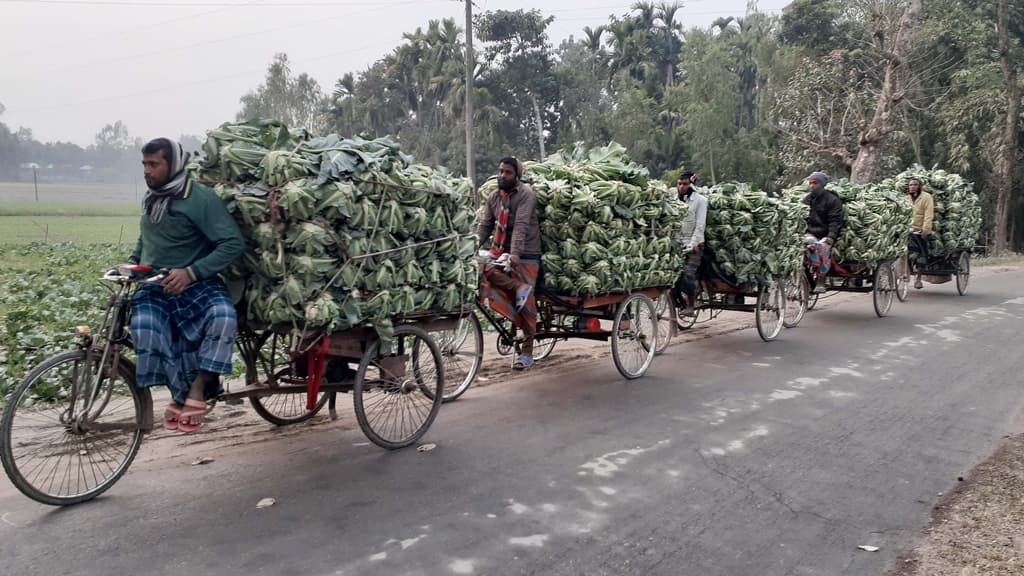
686 322
542 348
703 307
391 404
56 453
812 296
884 289
798 293
505 347
902 271
463 352
273 362
634 336
963 273
286 409
770 314
666 312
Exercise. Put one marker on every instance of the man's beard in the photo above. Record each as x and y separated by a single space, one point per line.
507 185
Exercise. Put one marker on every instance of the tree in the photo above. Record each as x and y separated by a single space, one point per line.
1005 163
580 71
520 73
814 26
893 24
9 151
296 101
975 123
848 114
113 138
723 99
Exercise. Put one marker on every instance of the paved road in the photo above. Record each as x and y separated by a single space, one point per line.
733 457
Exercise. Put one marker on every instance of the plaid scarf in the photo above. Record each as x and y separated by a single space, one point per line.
157 201
501 240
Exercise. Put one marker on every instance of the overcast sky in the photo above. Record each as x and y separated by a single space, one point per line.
166 67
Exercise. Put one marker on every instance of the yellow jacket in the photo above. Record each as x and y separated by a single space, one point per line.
924 212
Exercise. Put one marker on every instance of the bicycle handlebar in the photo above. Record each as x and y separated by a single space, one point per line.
128 273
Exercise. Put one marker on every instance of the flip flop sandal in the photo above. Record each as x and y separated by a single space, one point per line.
193 412
522 363
522 296
171 415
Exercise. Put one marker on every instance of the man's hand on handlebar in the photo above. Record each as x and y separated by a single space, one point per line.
177 281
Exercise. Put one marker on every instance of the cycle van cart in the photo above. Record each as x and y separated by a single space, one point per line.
777 303
771 301
71 429
937 270
635 331
876 278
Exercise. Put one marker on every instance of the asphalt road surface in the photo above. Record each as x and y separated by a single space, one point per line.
732 457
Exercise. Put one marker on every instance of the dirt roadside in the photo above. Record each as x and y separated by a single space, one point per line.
977 526
977 529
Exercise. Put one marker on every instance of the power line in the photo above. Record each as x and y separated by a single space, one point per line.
213 41
706 13
137 4
121 32
176 85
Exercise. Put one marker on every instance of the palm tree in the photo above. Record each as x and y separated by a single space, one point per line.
593 38
670 44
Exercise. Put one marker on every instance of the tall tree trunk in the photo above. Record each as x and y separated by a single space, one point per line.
470 151
1004 167
540 127
875 133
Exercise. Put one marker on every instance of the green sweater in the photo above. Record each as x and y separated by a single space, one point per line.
196 234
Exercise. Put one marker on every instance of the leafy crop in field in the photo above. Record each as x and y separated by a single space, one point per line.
45 291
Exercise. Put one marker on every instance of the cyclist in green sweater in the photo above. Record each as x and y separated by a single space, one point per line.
183 328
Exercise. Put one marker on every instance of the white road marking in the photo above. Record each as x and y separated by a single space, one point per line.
534 541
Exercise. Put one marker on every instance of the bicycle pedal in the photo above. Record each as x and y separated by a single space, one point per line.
233 401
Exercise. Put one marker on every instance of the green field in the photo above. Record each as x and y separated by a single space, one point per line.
77 193
79 213
76 229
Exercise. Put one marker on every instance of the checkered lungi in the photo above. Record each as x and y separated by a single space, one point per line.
500 289
177 336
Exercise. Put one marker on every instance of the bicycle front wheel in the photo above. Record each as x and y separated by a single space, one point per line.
72 428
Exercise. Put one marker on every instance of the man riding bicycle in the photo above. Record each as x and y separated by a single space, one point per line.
824 224
511 215
691 241
921 227
184 327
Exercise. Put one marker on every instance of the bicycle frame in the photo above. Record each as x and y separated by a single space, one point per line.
113 331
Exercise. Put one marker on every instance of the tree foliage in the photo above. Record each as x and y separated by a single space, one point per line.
295 100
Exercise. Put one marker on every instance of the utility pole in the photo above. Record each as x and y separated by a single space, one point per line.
35 181
470 167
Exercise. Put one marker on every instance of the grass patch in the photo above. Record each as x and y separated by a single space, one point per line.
80 229
84 193
1011 258
15 208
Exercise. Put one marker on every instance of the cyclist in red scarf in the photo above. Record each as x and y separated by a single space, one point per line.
511 216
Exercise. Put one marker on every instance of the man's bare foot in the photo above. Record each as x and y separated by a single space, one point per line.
194 411
192 415
171 415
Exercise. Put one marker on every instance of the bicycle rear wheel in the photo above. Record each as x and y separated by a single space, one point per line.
61 447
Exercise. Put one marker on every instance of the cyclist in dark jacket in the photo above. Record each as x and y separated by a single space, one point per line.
824 224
